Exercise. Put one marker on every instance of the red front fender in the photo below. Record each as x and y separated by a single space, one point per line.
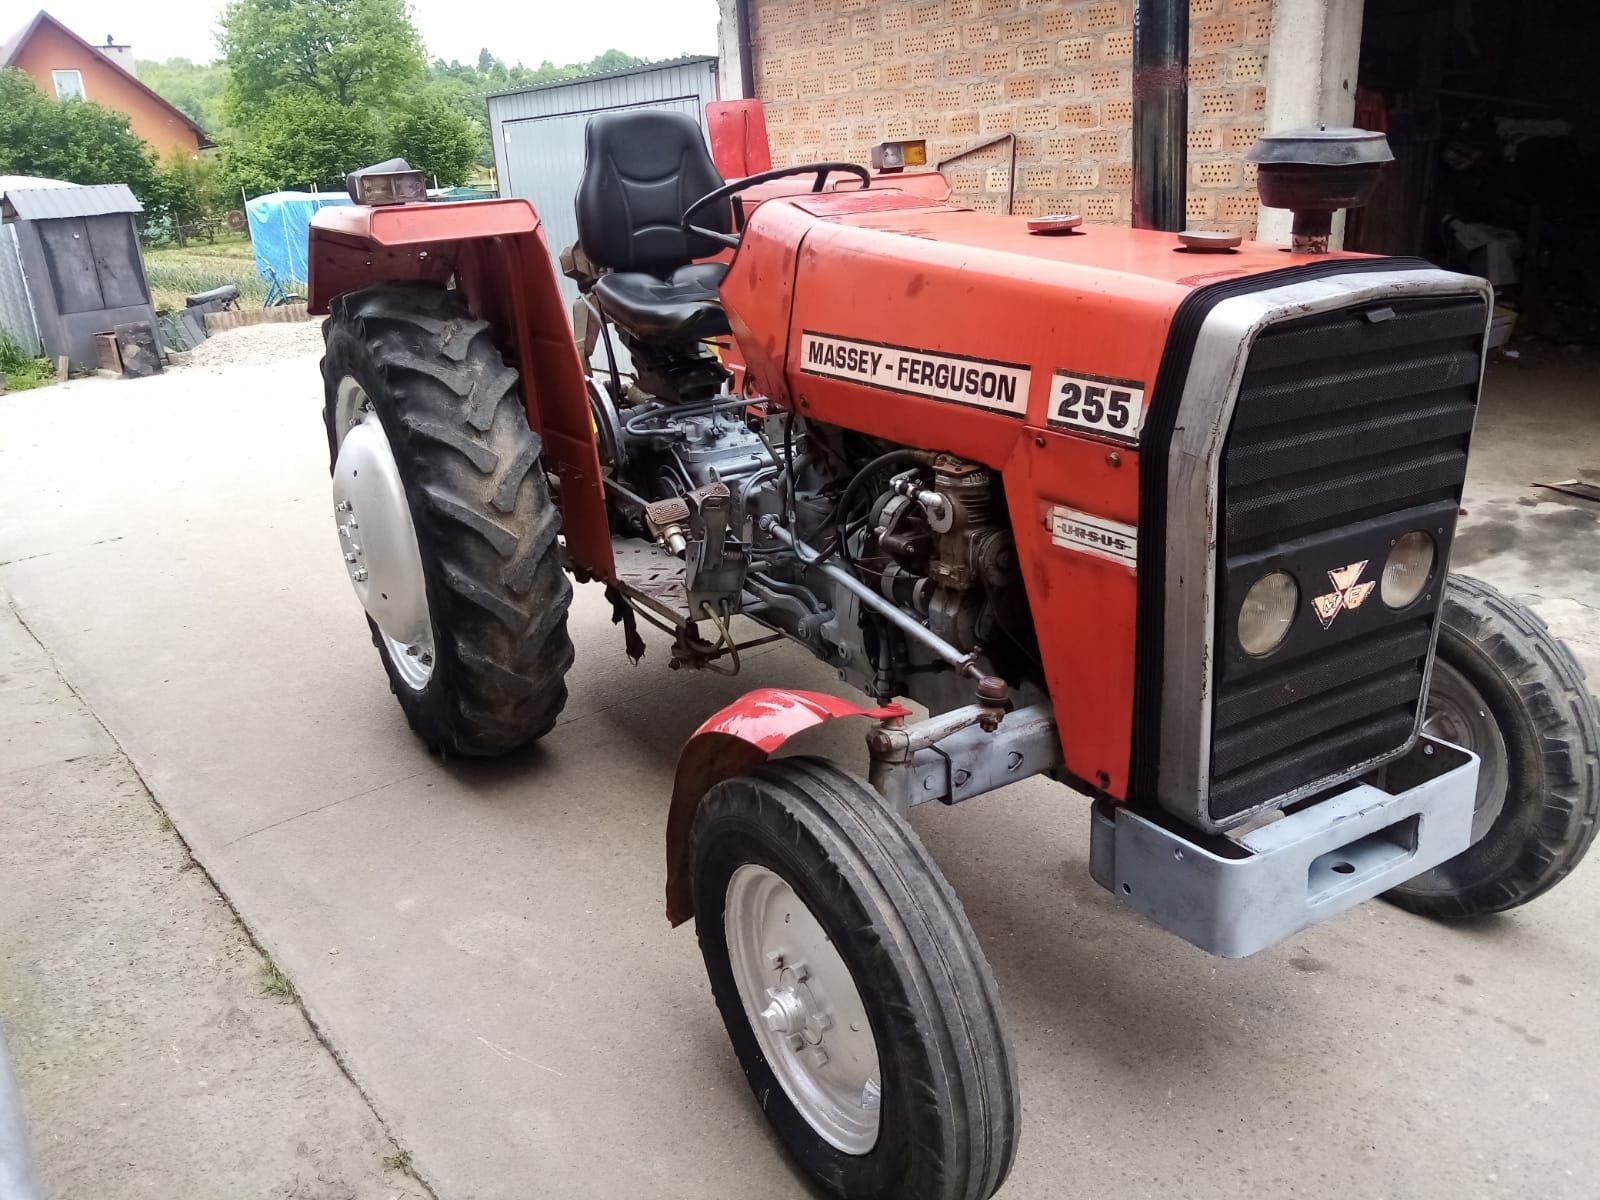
741 736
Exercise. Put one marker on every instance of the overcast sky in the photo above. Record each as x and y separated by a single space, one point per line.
562 31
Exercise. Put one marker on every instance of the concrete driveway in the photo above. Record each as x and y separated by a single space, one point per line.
483 942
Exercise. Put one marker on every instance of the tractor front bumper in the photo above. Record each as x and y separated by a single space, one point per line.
1235 895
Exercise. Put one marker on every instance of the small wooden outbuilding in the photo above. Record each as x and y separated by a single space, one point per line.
76 252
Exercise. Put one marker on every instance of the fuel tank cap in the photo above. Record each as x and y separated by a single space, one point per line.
1054 224
1208 241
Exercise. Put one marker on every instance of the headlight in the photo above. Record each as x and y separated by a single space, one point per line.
1267 613
1406 572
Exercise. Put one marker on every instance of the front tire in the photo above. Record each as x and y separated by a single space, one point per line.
477 648
858 1001
1509 691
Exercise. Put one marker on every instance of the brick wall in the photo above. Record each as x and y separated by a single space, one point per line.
838 76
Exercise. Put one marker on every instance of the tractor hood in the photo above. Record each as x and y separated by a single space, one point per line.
897 294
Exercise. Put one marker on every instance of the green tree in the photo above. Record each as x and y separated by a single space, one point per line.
350 52
196 88
464 85
69 139
611 60
299 140
437 139
458 87
187 190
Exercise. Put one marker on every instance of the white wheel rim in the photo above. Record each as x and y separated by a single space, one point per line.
377 537
804 1008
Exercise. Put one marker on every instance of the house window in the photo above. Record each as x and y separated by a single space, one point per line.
69 85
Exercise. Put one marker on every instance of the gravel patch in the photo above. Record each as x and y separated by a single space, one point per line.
251 344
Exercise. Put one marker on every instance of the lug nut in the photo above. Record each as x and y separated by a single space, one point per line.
359 574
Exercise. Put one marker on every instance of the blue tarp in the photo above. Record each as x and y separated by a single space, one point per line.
280 231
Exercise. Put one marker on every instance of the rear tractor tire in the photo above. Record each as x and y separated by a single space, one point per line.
445 519
1509 691
857 998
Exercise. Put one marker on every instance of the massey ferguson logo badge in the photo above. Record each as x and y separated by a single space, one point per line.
1347 593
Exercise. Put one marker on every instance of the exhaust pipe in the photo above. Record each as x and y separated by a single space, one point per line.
747 49
1160 113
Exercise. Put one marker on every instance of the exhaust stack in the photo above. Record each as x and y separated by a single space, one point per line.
1160 113
1316 172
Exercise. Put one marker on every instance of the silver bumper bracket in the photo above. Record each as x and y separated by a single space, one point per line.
1238 895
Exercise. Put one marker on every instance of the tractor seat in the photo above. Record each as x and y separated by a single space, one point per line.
682 307
641 170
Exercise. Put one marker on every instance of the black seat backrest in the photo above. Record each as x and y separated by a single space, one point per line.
641 170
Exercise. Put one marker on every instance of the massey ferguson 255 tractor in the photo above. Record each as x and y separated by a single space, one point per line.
1167 519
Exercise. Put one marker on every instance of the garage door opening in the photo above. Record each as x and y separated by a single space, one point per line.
1495 124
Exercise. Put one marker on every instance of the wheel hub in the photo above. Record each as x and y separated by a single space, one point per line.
789 1012
377 537
804 1008
1457 713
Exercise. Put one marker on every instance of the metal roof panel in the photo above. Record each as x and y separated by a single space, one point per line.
686 60
53 203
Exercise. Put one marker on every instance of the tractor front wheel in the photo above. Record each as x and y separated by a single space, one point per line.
1506 689
445 520
856 996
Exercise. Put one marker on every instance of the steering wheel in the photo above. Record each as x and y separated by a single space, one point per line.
820 170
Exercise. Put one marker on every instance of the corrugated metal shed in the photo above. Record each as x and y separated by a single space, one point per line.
537 132
16 306
53 203
80 268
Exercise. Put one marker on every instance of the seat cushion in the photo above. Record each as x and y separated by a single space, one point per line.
642 168
684 306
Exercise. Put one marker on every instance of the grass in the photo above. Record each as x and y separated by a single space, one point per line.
21 369
399 1162
178 271
275 983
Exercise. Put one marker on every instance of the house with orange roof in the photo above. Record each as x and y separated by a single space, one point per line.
64 65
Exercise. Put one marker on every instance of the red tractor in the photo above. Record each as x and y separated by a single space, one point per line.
1165 519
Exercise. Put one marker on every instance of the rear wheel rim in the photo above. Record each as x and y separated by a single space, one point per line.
378 538
1457 713
804 1008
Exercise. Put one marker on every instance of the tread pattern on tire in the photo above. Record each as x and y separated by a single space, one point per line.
921 921
485 521
1549 685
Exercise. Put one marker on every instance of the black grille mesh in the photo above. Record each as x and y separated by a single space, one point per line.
1343 420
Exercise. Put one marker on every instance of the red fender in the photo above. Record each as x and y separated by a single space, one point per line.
740 737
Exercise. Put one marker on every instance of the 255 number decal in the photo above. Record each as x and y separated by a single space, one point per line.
1108 407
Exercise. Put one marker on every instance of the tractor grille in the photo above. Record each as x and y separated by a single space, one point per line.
1351 429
